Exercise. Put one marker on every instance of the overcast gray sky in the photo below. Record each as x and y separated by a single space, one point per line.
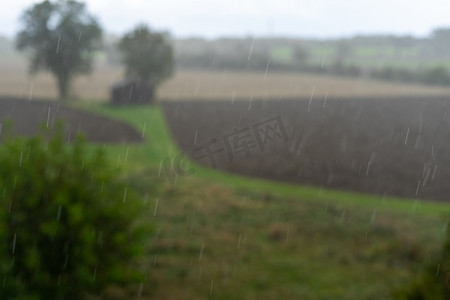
215 18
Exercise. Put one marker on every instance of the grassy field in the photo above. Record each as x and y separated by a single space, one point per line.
206 85
222 236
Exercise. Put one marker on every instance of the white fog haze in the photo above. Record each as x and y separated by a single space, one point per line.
216 18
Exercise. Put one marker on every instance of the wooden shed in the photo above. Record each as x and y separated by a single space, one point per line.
131 92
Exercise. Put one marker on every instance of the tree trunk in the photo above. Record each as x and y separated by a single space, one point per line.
63 86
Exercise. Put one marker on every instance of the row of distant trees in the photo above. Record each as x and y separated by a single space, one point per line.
209 53
63 38
398 58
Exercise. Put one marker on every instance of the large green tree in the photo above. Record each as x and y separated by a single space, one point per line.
147 55
62 37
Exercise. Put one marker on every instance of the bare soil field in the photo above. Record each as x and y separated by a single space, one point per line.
28 117
395 146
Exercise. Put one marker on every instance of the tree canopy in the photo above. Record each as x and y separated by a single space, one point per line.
147 55
62 37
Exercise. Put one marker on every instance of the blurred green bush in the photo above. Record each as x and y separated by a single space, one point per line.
67 225
433 282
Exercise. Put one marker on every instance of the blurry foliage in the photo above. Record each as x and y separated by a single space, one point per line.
62 37
67 225
147 55
407 59
241 54
437 75
434 281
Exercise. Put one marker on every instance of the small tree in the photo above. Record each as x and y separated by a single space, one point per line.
67 225
147 55
62 37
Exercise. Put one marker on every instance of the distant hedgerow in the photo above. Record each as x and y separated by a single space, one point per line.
67 225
